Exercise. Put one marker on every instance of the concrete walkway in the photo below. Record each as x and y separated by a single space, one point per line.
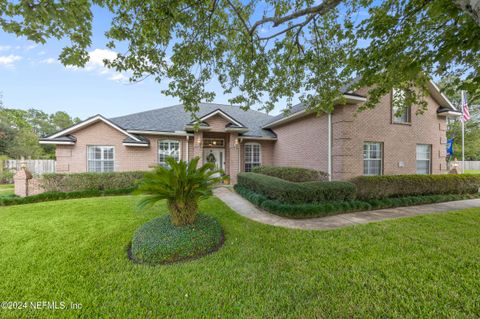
247 209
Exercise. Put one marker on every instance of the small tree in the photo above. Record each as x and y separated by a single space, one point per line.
183 185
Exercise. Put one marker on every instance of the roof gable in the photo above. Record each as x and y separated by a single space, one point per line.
175 120
88 122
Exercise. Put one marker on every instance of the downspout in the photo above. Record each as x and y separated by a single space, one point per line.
329 151
186 151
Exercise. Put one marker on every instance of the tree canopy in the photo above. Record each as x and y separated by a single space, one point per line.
20 130
264 51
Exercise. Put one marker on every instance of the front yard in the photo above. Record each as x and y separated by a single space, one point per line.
6 189
74 251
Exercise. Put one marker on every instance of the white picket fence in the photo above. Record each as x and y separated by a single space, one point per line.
470 165
36 167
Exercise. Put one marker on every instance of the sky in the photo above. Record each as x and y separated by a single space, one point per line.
32 77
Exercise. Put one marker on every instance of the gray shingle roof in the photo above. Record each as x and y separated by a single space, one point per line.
295 109
64 138
174 118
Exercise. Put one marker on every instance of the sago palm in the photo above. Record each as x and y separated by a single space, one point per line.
182 184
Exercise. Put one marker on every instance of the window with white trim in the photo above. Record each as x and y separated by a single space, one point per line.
424 159
253 156
100 158
372 158
168 148
400 112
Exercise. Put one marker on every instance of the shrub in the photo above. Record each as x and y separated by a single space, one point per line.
6 176
377 187
90 181
52 196
183 185
292 174
310 210
295 193
160 242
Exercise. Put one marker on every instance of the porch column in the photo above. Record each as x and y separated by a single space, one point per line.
234 161
198 146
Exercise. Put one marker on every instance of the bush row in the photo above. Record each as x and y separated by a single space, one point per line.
90 181
292 174
337 207
378 187
295 193
51 196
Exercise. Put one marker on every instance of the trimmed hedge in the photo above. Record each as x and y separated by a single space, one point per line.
161 242
292 174
337 207
378 187
90 181
52 196
295 193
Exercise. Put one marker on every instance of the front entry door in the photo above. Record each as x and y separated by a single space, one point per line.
215 156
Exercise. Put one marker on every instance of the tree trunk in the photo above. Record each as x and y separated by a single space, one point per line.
471 7
183 214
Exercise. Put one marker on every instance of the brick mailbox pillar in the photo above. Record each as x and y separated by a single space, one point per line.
21 181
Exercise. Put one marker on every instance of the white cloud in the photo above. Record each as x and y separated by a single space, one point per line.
31 47
119 77
9 60
96 65
5 47
49 61
96 58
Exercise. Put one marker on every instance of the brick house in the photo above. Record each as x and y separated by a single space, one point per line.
345 143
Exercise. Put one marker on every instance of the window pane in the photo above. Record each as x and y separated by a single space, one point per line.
252 156
372 158
424 157
400 113
168 149
100 158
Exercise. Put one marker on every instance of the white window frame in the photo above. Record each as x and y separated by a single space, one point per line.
380 159
102 159
395 108
169 150
250 161
429 159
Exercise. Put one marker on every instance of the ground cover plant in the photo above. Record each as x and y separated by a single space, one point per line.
75 251
161 242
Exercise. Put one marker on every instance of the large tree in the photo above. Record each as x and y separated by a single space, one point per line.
21 129
263 51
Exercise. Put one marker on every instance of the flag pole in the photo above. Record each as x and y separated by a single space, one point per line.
463 132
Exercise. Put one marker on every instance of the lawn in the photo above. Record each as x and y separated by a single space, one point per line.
74 251
472 171
6 189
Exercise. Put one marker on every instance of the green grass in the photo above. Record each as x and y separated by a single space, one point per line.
74 251
472 171
6 189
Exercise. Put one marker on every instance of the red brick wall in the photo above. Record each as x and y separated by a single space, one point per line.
73 159
302 143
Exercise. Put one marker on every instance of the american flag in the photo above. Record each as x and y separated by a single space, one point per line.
465 111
